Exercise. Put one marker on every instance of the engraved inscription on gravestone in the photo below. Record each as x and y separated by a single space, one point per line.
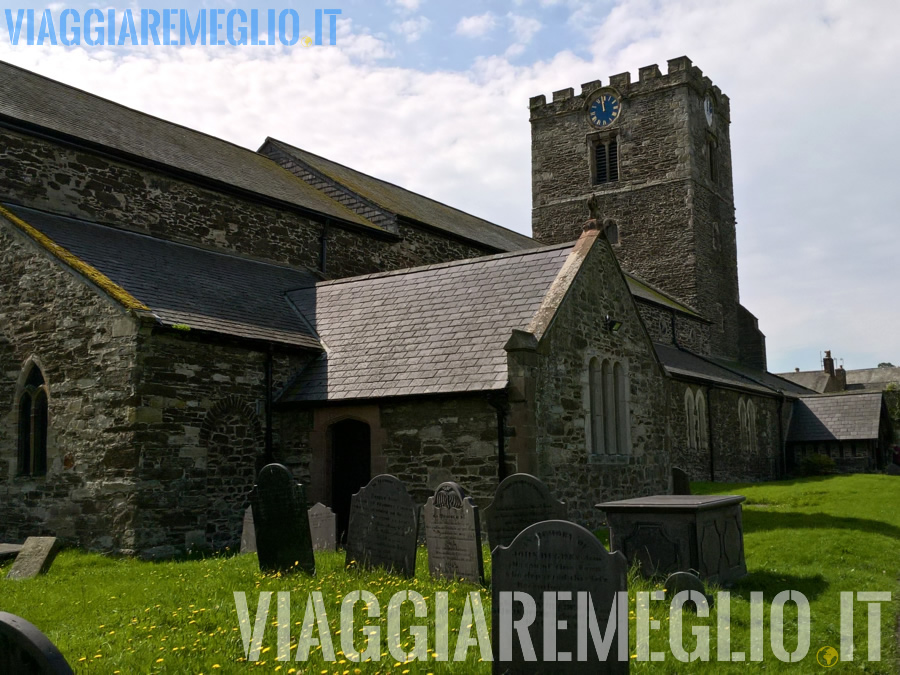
35 558
453 535
323 528
382 529
521 500
25 650
248 534
281 522
559 558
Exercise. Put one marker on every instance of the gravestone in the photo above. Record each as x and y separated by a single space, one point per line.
453 535
382 529
681 483
248 533
24 650
559 557
521 500
686 581
323 528
677 533
281 523
35 558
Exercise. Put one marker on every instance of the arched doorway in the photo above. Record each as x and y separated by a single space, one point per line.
350 442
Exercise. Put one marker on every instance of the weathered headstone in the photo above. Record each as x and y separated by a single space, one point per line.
24 650
35 558
323 528
686 581
521 500
248 533
681 483
561 558
281 522
453 535
382 530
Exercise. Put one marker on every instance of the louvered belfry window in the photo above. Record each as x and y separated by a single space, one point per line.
606 161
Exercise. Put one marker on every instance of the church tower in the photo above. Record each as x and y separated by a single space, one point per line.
656 157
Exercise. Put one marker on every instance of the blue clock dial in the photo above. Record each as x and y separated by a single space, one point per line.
604 110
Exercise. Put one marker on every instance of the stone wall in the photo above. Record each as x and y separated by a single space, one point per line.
554 380
199 433
676 223
85 345
64 179
692 334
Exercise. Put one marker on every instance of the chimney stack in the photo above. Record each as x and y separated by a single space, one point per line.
828 362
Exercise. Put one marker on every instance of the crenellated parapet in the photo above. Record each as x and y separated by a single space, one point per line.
681 72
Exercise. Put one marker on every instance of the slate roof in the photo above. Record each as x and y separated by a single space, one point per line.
428 330
31 98
644 291
411 205
815 380
680 361
185 285
873 379
836 417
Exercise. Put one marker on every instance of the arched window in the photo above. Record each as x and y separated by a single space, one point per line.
702 422
747 419
33 424
690 416
609 408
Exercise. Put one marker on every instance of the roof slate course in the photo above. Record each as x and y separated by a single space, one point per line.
836 417
679 361
185 285
435 329
31 98
412 205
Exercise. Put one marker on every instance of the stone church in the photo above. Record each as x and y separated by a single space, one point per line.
176 311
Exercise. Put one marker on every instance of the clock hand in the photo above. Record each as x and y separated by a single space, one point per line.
603 103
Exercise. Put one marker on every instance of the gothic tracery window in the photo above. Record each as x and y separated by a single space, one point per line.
33 423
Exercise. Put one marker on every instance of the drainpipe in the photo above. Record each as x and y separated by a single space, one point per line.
323 249
270 453
500 405
709 435
781 439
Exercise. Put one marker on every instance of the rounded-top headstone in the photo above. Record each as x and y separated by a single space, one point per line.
25 650
521 500
453 535
383 527
686 581
281 522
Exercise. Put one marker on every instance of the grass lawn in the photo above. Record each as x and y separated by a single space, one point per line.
818 536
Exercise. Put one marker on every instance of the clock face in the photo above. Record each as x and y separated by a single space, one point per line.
604 110
708 109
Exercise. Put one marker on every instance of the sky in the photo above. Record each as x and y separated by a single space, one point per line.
433 95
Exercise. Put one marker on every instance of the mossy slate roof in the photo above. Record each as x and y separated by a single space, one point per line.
30 98
428 330
838 417
411 205
184 285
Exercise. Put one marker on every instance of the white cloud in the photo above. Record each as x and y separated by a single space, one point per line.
814 135
523 28
409 5
412 29
476 26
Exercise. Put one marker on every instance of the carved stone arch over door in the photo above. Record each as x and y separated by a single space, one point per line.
232 436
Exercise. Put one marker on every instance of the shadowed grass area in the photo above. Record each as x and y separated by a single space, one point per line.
816 536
